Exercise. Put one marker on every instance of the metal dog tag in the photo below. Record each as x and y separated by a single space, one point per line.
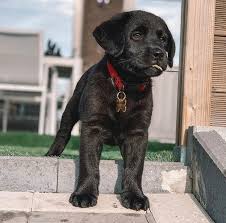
121 102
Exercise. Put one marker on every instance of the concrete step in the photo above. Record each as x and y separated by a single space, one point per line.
60 175
206 154
21 207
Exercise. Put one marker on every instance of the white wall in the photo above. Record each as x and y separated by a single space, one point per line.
163 124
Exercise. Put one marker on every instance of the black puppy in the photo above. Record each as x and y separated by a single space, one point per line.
113 100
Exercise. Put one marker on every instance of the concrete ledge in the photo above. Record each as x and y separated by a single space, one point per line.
28 174
215 147
157 177
204 130
55 208
208 162
59 175
220 130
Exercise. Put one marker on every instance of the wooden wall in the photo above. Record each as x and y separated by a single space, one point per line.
196 66
203 78
218 90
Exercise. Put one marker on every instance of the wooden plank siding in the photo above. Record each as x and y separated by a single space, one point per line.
220 21
218 92
196 65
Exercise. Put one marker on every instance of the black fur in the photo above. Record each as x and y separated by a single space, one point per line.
133 41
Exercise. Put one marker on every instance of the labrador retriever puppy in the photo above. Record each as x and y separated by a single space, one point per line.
113 101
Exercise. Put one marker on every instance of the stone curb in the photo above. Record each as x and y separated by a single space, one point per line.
28 174
215 146
207 146
60 175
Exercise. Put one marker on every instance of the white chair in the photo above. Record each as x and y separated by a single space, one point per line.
23 77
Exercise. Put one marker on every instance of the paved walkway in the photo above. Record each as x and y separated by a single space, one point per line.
25 207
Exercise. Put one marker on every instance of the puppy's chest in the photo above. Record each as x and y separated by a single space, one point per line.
124 109
126 102
101 99
126 105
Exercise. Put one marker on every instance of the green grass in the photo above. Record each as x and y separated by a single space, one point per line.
31 144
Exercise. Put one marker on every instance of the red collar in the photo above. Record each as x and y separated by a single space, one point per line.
118 81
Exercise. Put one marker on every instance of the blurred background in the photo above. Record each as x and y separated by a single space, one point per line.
46 45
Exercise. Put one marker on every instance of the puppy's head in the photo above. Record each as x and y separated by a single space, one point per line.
138 42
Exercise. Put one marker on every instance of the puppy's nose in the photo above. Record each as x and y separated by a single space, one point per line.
158 54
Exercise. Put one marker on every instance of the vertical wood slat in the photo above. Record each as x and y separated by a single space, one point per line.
197 64
218 95
220 22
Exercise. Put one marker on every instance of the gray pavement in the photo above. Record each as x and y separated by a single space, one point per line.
21 207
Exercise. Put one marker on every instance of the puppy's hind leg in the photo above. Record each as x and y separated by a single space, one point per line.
69 118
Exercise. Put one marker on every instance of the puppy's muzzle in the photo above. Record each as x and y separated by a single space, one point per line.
158 54
155 58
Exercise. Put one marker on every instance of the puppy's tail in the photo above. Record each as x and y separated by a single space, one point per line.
69 119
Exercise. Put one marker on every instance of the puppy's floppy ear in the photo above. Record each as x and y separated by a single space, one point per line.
110 35
171 49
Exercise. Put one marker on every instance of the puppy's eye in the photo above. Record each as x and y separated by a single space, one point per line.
163 38
137 36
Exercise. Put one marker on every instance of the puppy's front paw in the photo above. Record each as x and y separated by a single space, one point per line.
132 201
83 200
